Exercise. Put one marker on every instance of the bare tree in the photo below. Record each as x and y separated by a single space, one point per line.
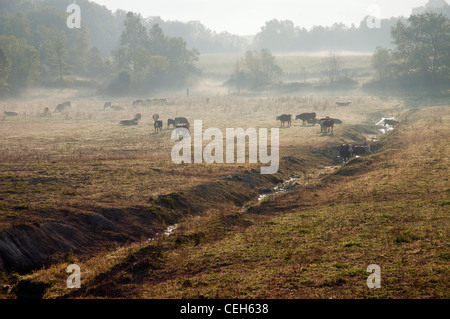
331 66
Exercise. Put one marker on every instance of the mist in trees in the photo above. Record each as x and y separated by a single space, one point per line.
124 53
149 60
255 70
420 59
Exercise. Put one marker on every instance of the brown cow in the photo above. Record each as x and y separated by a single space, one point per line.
326 125
360 150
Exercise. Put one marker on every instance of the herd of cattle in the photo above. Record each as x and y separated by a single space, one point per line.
346 151
326 123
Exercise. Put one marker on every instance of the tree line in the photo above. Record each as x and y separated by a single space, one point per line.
36 46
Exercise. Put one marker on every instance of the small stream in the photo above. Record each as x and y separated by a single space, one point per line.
280 188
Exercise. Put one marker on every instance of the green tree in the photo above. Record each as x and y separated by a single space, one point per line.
24 60
5 69
57 54
381 60
134 37
424 44
255 70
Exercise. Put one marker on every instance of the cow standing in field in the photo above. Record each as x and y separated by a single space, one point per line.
62 107
106 105
158 126
171 122
344 152
326 125
307 118
285 118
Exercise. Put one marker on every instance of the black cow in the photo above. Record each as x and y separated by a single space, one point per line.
171 122
307 118
182 120
158 125
10 113
285 118
61 108
344 152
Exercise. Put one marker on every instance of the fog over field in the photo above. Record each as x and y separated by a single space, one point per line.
191 153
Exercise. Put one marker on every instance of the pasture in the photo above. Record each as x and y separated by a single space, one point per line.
115 189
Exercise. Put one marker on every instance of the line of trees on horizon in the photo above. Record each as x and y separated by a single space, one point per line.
37 47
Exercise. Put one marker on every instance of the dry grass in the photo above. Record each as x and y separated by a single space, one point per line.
314 242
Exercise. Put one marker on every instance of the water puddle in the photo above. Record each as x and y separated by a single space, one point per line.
280 188
386 128
169 230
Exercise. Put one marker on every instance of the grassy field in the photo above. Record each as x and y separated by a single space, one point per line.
116 187
296 66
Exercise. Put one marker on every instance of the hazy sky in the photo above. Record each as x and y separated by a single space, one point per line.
246 17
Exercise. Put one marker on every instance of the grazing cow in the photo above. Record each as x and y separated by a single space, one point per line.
182 120
106 105
307 118
158 125
360 150
344 152
10 113
326 125
171 122
285 118
61 108
117 108
390 122
132 122
343 103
